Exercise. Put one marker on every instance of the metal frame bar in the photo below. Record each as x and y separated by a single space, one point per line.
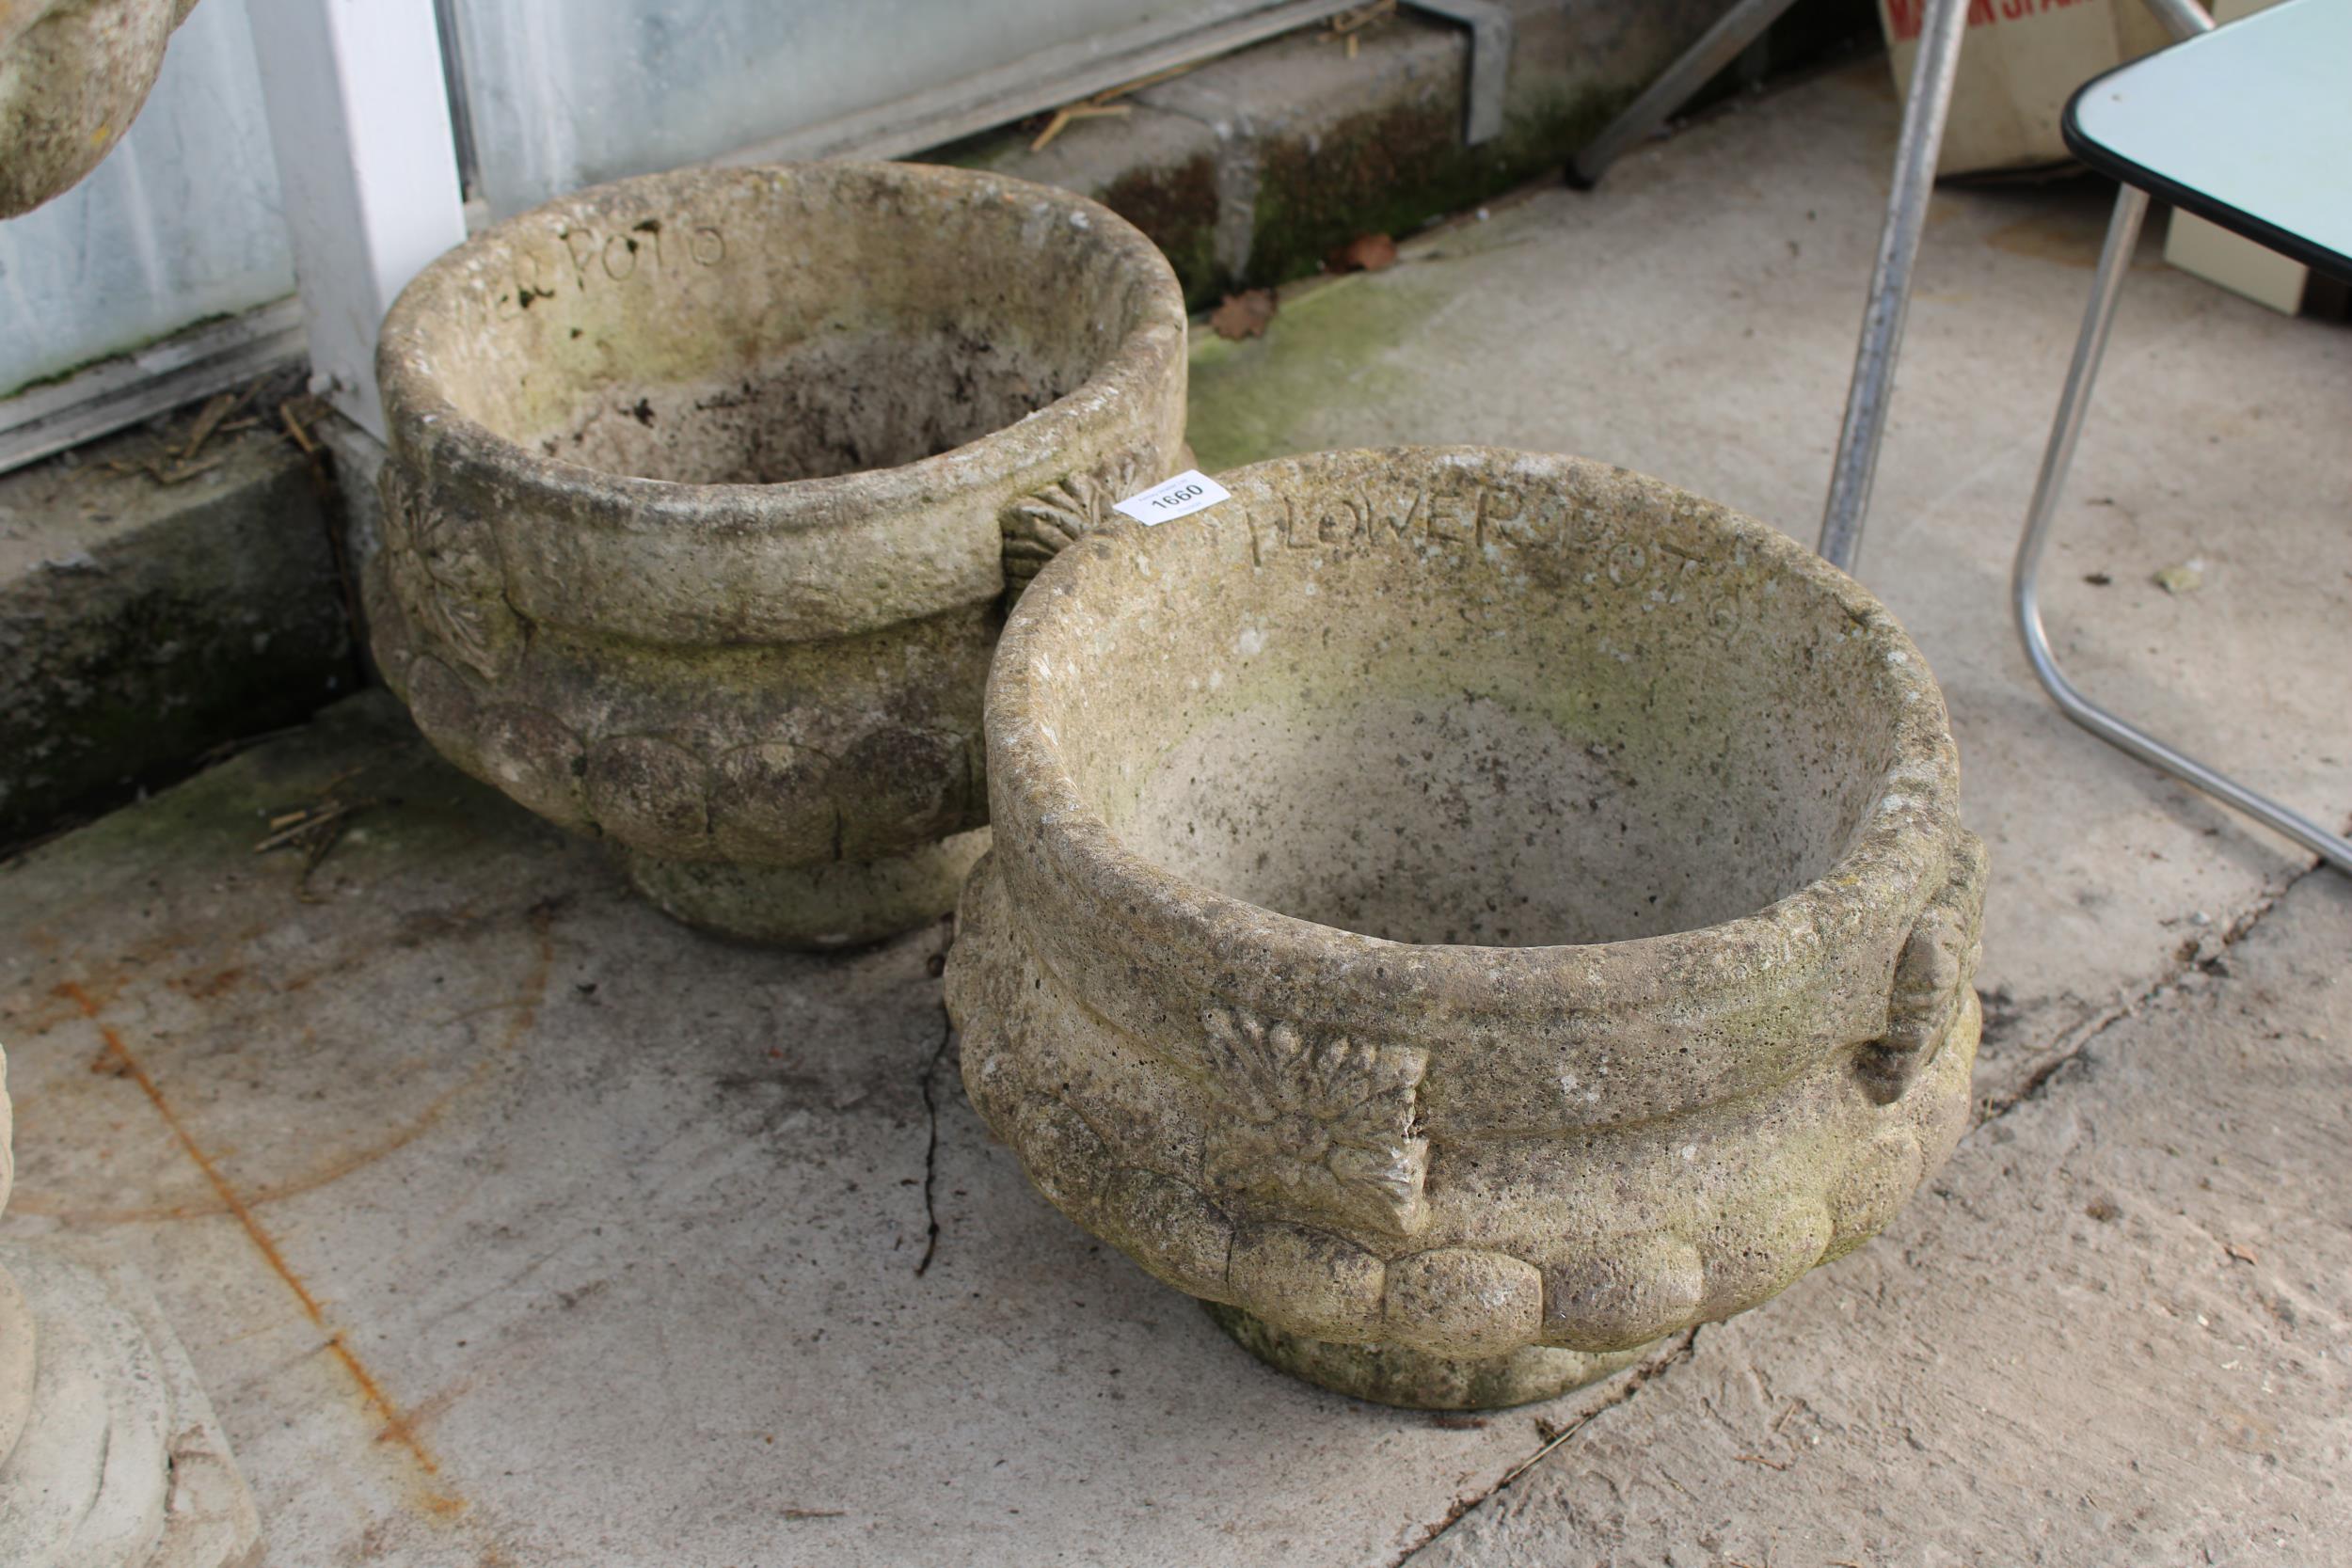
1925 109
195 362
2131 207
2182 18
1693 69
1486 72
1872 389
359 119
462 145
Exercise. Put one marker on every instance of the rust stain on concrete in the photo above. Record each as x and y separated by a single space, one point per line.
524 1010
397 1428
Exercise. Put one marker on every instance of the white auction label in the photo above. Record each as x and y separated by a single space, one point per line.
1188 493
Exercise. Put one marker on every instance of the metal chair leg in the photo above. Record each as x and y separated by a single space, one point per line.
2131 206
1692 70
1925 110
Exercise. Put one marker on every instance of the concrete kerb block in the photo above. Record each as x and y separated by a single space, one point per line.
151 610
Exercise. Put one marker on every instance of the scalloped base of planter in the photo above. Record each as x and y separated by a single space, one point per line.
836 904
1415 1379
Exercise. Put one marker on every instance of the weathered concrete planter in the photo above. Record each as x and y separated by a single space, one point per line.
73 76
703 495
110 1451
1466 915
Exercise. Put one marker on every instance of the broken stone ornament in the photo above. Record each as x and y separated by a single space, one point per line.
73 76
110 1456
704 496
1466 915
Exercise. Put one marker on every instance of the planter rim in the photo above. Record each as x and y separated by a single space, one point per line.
1902 847
419 416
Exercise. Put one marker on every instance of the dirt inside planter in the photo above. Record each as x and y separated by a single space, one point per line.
766 333
838 404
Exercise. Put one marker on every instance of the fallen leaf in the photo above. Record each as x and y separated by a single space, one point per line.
1364 253
1243 315
2242 1254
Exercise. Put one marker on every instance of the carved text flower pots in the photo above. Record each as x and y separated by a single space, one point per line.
703 495
1467 915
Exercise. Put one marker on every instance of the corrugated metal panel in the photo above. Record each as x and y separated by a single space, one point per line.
563 93
182 223
179 223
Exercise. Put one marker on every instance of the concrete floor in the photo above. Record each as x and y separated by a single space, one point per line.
510 1224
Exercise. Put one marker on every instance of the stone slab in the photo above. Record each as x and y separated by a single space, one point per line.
508 1218
143 623
1249 169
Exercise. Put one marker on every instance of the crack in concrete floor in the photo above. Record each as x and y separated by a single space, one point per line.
2203 958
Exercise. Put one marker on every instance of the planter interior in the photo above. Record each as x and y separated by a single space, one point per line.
1491 773
844 334
1468 915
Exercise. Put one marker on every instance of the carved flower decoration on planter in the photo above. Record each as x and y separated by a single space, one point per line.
1325 1125
1042 527
446 577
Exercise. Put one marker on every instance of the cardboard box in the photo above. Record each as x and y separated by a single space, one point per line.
2209 251
2019 62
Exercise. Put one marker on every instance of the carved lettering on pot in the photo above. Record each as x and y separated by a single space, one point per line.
1327 1126
1043 526
1726 610
1398 520
1515 518
444 571
643 247
620 257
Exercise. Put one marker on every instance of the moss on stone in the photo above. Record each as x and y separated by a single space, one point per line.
201 614
1325 352
1391 170
1177 208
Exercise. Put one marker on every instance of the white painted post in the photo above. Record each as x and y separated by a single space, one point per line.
360 117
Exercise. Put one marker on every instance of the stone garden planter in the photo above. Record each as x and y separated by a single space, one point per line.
73 76
1466 915
110 1453
704 493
